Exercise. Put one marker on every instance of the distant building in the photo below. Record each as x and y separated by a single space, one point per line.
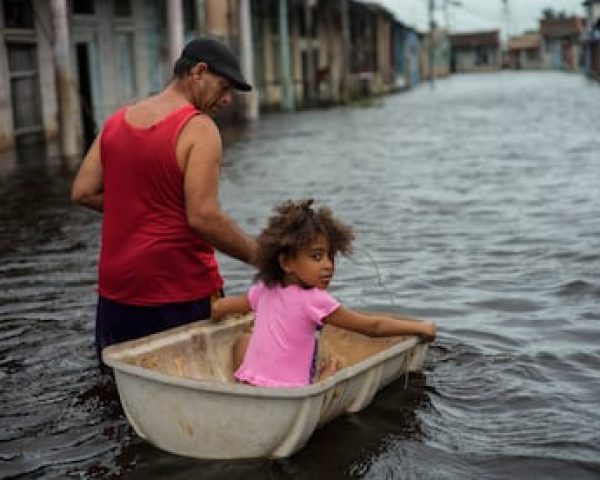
475 52
524 52
335 51
562 42
591 39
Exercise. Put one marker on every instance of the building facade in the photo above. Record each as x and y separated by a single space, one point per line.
524 52
591 39
475 52
406 51
562 42
435 54
66 65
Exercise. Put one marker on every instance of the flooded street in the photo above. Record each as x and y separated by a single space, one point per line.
476 203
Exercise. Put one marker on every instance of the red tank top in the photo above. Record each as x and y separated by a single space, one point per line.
149 255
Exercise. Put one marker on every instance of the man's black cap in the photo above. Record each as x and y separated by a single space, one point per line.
219 58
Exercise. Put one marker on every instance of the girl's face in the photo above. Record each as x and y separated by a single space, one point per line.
312 266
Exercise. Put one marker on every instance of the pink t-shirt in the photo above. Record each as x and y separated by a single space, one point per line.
282 346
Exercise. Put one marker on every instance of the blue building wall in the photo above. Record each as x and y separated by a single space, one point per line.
413 54
407 50
399 49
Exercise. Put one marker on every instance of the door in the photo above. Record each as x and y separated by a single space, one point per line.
85 94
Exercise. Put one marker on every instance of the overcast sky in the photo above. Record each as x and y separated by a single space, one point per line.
474 15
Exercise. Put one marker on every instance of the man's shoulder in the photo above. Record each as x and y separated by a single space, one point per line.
198 138
202 121
201 127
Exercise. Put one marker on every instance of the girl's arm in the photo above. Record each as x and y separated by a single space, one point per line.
381 325
226 305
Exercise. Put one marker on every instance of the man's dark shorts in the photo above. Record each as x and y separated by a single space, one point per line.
117 322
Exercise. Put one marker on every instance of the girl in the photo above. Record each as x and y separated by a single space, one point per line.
295 261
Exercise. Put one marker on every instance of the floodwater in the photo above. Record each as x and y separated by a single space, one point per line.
476 203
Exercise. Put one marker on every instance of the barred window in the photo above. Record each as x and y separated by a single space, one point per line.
18 14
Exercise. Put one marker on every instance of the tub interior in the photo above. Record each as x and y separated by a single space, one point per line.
203 350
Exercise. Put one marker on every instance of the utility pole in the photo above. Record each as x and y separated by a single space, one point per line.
65 83
287 91
251 107
447 4
506 12
346 51
310 66
503 54
431 41
447 15
175 30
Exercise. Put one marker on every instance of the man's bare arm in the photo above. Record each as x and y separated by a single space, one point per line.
201 145
87 187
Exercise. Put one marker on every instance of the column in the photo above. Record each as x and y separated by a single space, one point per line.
251 111
69 125
175 29
287 92
345 83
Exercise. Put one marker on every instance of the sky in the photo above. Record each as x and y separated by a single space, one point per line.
474 15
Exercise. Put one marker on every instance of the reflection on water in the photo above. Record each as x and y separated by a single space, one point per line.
475 203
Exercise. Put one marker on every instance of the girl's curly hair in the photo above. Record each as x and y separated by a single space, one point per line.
294 226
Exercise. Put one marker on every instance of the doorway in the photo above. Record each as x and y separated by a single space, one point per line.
85 94
310 61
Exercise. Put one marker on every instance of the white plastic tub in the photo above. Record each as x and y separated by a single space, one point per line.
178 392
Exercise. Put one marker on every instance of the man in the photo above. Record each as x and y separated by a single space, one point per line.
154 173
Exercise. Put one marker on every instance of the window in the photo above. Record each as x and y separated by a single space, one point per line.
83 7
307 29
267 13
125 64
482 56
21 58
190 16
18 14
24 87
122 8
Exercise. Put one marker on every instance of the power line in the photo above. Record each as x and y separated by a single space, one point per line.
507 23
478 15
